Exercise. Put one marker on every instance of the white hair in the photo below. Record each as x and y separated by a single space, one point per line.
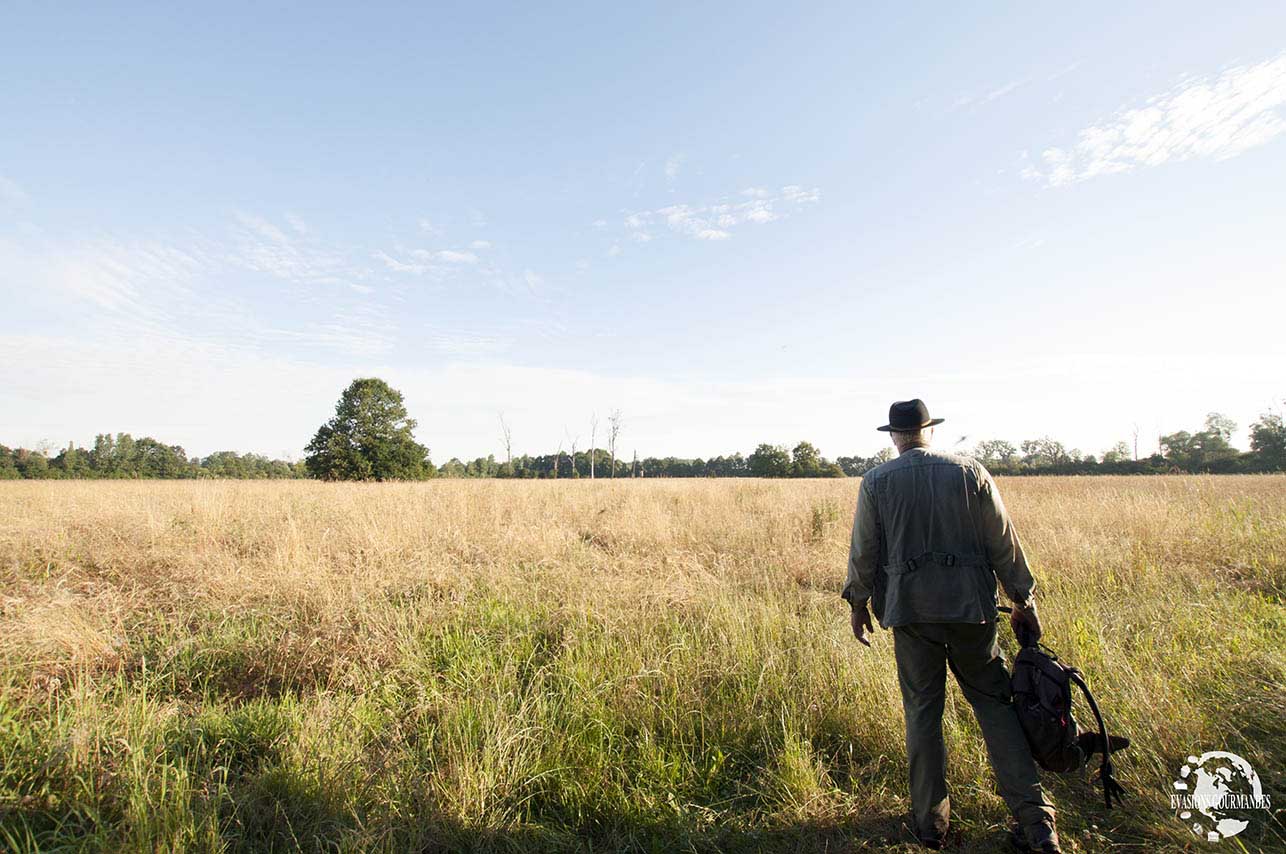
903 439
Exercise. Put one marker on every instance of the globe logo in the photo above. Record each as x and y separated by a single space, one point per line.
1215 794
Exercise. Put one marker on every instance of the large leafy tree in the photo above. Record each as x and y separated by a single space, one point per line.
806 460
769 461
1267 441
370 438
1206 450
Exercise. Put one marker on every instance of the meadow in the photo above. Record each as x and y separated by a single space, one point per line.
574 666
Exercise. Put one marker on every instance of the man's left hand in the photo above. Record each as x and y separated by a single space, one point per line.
862 628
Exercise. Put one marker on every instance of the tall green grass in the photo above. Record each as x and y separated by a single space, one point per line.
571 667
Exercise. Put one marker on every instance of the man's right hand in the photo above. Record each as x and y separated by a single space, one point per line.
1026 624
862 628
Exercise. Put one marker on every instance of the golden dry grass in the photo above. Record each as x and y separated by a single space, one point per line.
650 665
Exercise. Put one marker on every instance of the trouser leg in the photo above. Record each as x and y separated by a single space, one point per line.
979 666
922 675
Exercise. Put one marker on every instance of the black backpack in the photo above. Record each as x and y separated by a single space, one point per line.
1042 692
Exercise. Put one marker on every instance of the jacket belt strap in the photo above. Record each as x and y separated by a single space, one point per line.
944 558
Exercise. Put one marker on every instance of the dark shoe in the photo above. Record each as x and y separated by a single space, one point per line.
930 841
1037 839
1091 743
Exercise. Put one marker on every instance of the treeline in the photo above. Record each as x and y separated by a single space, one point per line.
123 457
1208 450
766 461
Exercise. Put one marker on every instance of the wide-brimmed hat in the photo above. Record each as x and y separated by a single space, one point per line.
906 416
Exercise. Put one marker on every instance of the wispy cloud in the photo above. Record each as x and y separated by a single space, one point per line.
11 193
117 276
719 221
294 256
420 262
673 165
972 100
393 265
355 334
1215 118
464 343
455 256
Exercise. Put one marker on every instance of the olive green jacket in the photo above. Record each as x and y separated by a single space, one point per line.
930 540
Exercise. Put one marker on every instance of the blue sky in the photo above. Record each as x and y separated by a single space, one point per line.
736 223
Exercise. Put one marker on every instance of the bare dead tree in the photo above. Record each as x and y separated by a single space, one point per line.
558 459
574 440
1136 442
593 434
506 436
634 469
614 423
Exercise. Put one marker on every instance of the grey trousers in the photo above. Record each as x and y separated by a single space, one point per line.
923 652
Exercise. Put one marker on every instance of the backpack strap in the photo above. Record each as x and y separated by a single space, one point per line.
1111 788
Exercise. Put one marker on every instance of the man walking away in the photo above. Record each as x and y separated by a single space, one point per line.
931 539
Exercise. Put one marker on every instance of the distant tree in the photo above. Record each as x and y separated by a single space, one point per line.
806 460
72 462
573 440
483 467
1177 448
230 464
858 466
853 466
103 457
155 460
32 465
8 468
507 438
1221 426
769 461
1118 453
452 468
995 452
593 442
1267 442
1204 451
370 438
1044 453
614 423
730 466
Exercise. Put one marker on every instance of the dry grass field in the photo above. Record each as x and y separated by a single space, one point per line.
566 665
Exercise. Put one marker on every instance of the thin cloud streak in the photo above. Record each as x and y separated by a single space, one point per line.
1209 118
719 221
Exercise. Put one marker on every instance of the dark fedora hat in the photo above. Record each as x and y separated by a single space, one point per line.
906 416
